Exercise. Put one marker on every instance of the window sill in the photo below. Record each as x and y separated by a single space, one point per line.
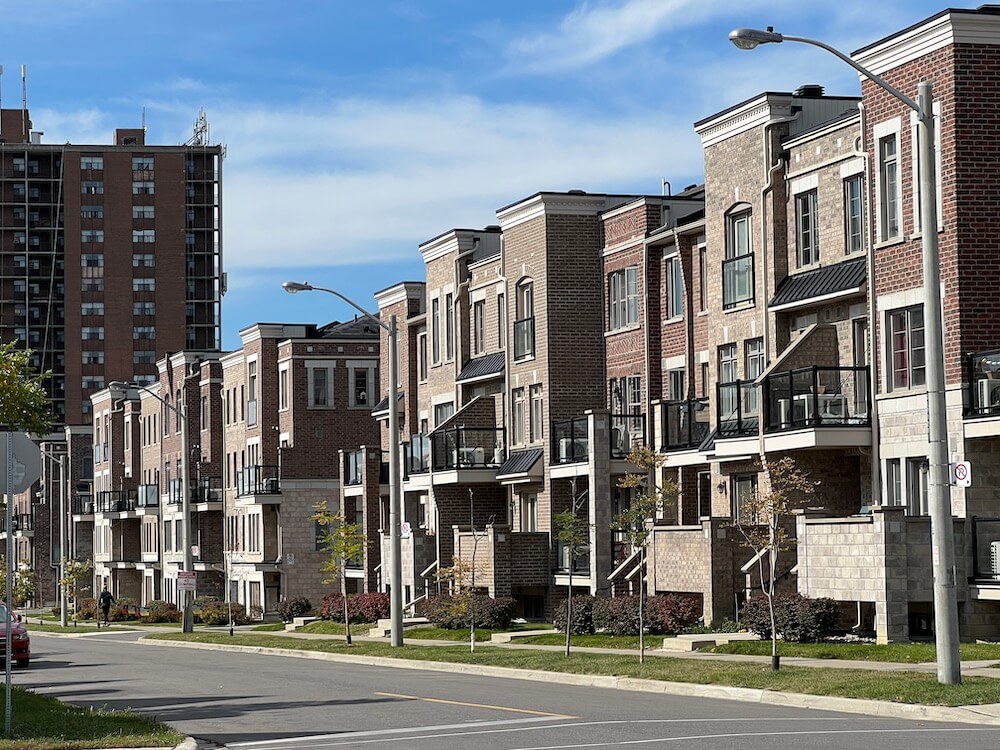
675 319
808 267
889 242
740 307
623 329
920 390
701 313
530 358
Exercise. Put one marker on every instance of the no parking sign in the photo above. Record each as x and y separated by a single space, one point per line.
961 474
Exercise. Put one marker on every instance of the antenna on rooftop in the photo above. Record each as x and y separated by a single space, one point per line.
24 99
144 120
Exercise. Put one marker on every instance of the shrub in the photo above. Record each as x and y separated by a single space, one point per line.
581 616
797 618
56 611
87 609
289 609
669 614
124 610
256 612
370 607
617 616
201 601
161 611
494 614
453 613
217 613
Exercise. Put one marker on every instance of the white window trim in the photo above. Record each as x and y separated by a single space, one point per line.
288 387
880 130
311 367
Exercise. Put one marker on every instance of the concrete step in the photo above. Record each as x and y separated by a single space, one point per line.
508 637
698 641
383 628
299 622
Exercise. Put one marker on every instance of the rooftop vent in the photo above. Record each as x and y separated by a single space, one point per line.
809 89
576 191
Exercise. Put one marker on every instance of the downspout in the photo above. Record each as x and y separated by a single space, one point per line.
874 456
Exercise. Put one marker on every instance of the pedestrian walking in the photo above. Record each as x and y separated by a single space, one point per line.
105 601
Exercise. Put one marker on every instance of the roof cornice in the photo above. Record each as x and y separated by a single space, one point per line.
746 116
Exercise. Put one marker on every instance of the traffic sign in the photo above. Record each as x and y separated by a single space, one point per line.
27 462
186 580
961 474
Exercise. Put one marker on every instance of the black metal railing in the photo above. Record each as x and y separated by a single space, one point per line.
174 492
467 448
149 495
524 338
570 440
206 490
82 505
258 480
986 549
816 397
353 468
737 281
627 432
685 424
418 455
22 522
984 384
116 501
738 408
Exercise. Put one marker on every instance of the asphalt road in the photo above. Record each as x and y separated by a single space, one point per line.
253 702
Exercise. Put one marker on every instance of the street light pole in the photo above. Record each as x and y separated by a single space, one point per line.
61 460
949 666
187 561
395 504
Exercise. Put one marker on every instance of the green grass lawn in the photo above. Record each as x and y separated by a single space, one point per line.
901 687
43 723
904 653
270 627
598 640
428 633
330 627
34 627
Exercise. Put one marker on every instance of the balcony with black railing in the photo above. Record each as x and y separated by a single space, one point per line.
82 505
258 480
570 440
467 448
206 490
984 384
116 501
684 424
417 455
816 397
524 338
738 408
628 431
353 468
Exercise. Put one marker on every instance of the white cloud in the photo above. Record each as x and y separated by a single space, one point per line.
83 126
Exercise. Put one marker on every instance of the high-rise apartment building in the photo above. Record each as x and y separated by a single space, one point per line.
110 255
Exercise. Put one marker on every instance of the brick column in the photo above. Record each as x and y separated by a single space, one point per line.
599 497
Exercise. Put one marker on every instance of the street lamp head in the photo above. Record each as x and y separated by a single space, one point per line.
750 38
295 286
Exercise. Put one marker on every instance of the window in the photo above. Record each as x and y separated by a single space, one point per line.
743 489
91 212
524 324
143 236
93 358
143 212
204 413
92 333
893 483
436 330
479 327
283 388
422 344
91 162
727 363
359 386
449 326
443 412
92 260
807 228
702 275
889 188
142 187
501 323
92 285
92 235
754 366
143 333
623 298
536 420
916 486
92 308
143 285
142 163
675 288
144 358
737 268
91 187
853 223
92 383
529 513
906 347
517 416
319 387
143 260
675 385
144 308
252 379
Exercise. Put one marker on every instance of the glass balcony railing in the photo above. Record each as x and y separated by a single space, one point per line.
524 338
116 501
570 440
468 448
149 495
816 397
986 547
353 468
258 480
685 424
738 408
418 455
206 490
984 384
627 431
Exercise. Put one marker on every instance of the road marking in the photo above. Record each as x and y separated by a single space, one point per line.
548 714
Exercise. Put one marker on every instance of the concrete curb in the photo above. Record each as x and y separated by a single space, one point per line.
988 715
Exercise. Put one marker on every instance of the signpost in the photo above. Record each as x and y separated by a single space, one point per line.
961 474
186 580
21 462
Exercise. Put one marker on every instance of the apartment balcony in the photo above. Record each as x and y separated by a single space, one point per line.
684 425
628 431
82 507
738 409
570 441
982 414
985 557
148 499
353 468
417 456
206 494
461 455
174 496
22 523
258 485
503 557
116 501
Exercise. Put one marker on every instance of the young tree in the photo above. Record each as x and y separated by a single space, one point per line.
461 579
25 586
574 533
636 523
24 405
76 575
760 518
345 542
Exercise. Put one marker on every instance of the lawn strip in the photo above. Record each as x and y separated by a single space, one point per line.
900 653
329 627
900 687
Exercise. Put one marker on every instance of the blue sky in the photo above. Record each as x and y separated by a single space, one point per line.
356 130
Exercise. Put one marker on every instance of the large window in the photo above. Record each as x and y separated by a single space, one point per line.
359 386
906 347
524 325
623 298
853 220
754 367
436 330
479 327
449 326
675 287
443 412
737 268
319 386
536 415
744 486
916 486
807 229
889 188
675 385
517 417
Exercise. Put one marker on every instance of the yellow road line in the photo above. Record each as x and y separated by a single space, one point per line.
478 705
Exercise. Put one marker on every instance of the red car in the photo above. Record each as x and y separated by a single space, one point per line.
20 639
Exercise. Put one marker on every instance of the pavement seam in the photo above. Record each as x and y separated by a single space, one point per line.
883 709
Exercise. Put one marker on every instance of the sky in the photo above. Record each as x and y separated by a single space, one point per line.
354 131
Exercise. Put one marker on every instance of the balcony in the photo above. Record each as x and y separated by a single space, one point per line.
174 492
627 432
570 441
816 397
257 480
82 505
22 523
417 455
467 448
581 565
737 281
206 490
984 384
738 409
524 338
353 468
685 424
148 496
986 550
116 501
